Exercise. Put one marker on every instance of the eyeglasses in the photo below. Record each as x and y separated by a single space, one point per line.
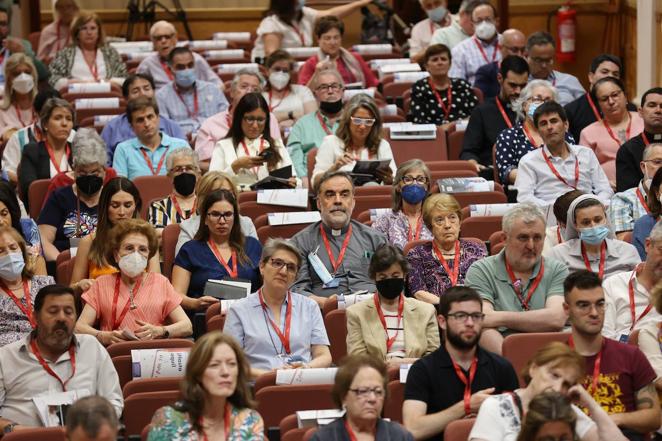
488 20
655 162
162 37
517 50
280 263
523 238
542 61
463 316
407 179
363 121
215 216
586 307
329 38
334 87
183 169
614 96
253 120
364 392
440 221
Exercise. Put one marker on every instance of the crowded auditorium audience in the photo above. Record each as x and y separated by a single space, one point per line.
296 228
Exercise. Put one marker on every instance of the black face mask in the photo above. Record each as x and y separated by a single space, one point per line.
184 183
390 288
331 107
89 184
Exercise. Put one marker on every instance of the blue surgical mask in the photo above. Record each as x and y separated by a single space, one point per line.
437 14
185 78
532 108
413 193
594 235
11 266
301 4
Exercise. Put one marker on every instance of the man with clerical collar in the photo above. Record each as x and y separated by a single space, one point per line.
452 382
618 375
495 114
521 290
629 205
51 360
629 156
335 252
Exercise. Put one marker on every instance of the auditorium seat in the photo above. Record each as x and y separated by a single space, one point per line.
150 385
520 348
139 409
424 149
150 188
481 227
254 210
37 434
37 196
455 140
215 323
169 239
393 404
459 430
125 347
264 380
335 323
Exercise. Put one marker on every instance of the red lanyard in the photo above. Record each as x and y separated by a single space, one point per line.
336 263
596 365
323 124
57 38
94 69
178 208
299 34
452 275
47 368
27 309
645 138
167 70
378 307
601 266
419 227
271 108
611 132
18 114
226 423
505 116
117 321
532 287
467 382
631 295
350 432
643 201
529 137
446 107
482 51
559 238
196 108
149 161
556 173
284 338
51 154
595 109
232 272
248 153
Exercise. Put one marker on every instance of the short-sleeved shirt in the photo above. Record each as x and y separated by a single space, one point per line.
620 256
197 258
306 134
61 212
299 35
624 370
130 162
155 300
626 207
451 35
164 212
425 107
250 324
432 380
490 278
294 101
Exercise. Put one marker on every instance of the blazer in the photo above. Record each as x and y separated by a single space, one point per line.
365 333
35 164
61 66
386 431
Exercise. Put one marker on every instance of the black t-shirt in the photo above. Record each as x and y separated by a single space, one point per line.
60 211
485 124
433 380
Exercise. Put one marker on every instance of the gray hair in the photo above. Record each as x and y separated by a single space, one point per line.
183 152
357 102
278 244
656 233
402 170
90 414
540 38
252 73
527 93
52 104
526 212
648 151
314 81
161 23
88 148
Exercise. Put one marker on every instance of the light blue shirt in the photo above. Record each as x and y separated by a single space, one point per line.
568 86
129 161
306 134
470 54
249 323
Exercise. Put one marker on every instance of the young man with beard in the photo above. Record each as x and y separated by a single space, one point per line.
452 382
619 377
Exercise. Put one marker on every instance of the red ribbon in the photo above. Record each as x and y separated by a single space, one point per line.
452 275
284 338
149 161
419 228
611 132
336 263
196 108
532 287
601 266
47 368
178 208
446 107
51 154
232 272
226 423
167 70
643 201
27 309
556 173
323 124
467 382
596 365
648 308
382 319
595 109
482 51
505 116
117 321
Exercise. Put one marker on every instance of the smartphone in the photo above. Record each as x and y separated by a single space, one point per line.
266 154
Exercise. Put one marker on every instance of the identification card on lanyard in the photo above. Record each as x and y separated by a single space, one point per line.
517 287
335 263
117 321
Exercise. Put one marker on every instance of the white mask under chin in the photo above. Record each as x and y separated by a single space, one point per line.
23 83
279 80
485 30
133 264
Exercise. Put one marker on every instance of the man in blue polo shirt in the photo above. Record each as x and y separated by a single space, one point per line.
145 155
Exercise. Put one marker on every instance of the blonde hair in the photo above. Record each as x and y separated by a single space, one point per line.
81 20
13 62
208 181
441 202
556 354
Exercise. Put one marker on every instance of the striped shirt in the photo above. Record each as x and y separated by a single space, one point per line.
164 212
398 348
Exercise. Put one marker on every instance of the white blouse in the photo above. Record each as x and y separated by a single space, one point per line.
293 102
290 37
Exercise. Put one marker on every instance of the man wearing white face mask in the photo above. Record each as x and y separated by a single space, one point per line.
590 243
187 100
629 205
421 33
482 48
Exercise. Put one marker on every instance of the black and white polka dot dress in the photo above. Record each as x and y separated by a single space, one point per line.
425 108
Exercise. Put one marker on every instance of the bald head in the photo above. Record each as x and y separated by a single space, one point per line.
164 38
513 42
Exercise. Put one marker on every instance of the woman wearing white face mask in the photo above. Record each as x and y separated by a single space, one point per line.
589 241
520 139
18 287
133 302
16 110
287 101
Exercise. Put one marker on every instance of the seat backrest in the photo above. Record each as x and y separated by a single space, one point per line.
395 90
480 197
261 220
37 434
284 231
364 217
480 227
310 161
309 434
520 348
479 94
125 347
449 165
330 305
633 339
150 385
363 203
150 188
216 323
37 196
294 434
253 209
212 311
393 405
246 196
424 149
64 270
494 165
123 367
412 244
373 190
335 323
459 430
140 407
169 239
276 402
455 140
497 237
33 38
264 380
82 114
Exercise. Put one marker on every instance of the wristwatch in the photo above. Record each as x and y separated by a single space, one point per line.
8 428
166 333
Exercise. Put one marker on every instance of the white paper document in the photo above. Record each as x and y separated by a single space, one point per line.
374 64
349 93
154 363
232 36
302 51
290 197
409 77
306 376
479 210
97 103
409 130
373 49
236 67
139 56
294 217
345 301
89 88
388 69
208 44
52 407
102 120
226 54
315 418
464 185
404 371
